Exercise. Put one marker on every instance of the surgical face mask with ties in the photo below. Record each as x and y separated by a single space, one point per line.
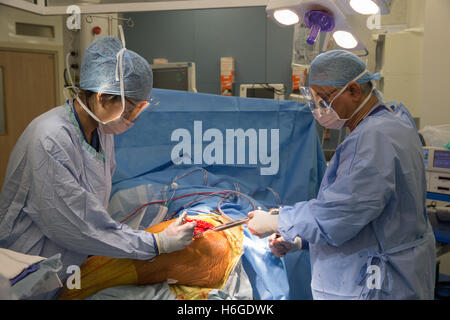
324 112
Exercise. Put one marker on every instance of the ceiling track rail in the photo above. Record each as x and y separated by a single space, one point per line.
40 6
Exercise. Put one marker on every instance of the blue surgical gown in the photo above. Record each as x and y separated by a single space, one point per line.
55 194
368 230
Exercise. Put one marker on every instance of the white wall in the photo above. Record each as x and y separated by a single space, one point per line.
416 65
9 16
401 64
435 106
64 41
402 70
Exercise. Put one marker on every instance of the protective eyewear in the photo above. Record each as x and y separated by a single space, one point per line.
313 100
318 104
134 110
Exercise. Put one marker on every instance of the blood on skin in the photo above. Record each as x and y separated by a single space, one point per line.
201 227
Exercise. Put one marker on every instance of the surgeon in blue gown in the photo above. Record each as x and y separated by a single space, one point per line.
368 232
58 178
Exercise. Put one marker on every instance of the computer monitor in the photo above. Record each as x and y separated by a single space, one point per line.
441 159
437 169
263 90
174 76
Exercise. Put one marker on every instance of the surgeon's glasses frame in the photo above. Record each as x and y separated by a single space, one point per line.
131 102
327 98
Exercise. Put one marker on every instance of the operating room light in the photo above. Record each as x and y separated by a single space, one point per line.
286 17
345 39
364 6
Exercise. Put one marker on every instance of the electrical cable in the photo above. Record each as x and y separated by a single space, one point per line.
71 86
277 91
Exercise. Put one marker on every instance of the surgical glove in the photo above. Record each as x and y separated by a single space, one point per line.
279 247
262 223
176 236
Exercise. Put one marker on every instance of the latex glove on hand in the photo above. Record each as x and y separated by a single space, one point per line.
262 223
279 247
176 236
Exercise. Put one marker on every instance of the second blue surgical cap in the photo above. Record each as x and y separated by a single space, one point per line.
98 70
337 68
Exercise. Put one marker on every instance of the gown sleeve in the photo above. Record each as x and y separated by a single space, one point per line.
73 217
353 195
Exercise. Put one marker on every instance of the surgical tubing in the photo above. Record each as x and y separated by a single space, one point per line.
219 205
187 205
274 193
162 201
227 194
205 176
219 193
140 208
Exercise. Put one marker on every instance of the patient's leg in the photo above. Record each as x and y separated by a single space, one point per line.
203 263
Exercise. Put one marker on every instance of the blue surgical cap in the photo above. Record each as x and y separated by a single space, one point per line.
337 68
98 70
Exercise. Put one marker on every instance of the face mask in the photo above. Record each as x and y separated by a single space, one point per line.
117 126
329 118
324 113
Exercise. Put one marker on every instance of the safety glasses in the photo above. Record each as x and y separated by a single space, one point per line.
133 110
315 103
318 103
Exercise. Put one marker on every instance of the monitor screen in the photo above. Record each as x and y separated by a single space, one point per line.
171 78
441 159
266 93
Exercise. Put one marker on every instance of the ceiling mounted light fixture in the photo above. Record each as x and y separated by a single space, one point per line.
320 16
345 39
286 17
365 6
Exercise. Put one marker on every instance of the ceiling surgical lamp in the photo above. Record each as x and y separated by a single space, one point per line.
286 17
318 16
345 39
364 6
